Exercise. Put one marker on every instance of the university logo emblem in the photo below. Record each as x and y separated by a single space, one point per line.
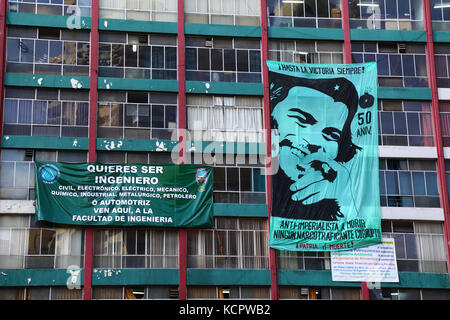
201 177
49 173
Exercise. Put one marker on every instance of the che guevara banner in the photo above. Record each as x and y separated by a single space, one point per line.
166 195
324 125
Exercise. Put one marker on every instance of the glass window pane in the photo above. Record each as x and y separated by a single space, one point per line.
25 111
41 51
157 57
405 183
171 58
157 116
27 50
431 180
392 182
419 183
40 112
10 113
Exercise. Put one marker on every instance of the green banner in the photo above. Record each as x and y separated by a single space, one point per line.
166 195
324 123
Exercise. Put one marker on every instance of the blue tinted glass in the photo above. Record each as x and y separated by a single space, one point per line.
26 49
413 123
157 116
392 182
10 111
53 112
357 58
171 58
25 111
158 57
446 12
40 112
391 9
82 113
191 58
259 182
408 65
383 64
400 123
55 55
419 183
370 57
405 183
13 50
403 9
386 123
255 61
436 13
171 116
382 183
431 179
395 64
41 51
448 182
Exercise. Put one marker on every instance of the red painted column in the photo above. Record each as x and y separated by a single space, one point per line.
364 291
442 181
348 59
3 6
182 237
266 110
89 239
346 27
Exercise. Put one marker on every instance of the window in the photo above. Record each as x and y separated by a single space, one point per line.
17 169
47 51
405 123
440 14
143 10
223 59
386 14
419 245
305 51
298 260
24 245
442 62
137 56
54 7
46 112
237 178
225 118
399 64
228 292
408 183
305 14
231 12
234 243
137 115
136 248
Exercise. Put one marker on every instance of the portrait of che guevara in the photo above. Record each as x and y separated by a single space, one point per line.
312 142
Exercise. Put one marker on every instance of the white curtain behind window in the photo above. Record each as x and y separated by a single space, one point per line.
227 123
68 247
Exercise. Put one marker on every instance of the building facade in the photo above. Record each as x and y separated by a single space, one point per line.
148 81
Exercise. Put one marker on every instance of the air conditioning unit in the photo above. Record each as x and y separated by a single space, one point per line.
401 48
